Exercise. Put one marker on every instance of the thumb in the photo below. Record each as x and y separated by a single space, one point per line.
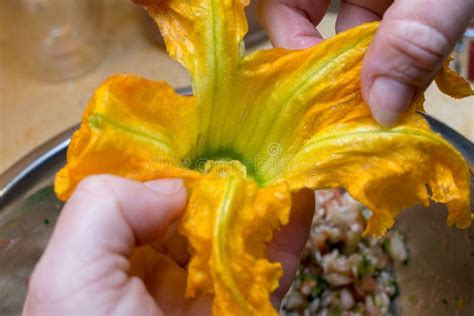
85 265
413 40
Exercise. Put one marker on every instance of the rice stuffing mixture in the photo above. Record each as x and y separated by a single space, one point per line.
342 273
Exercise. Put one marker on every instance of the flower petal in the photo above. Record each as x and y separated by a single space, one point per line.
296 97
206 36
227 222
450 83
277 87
132 127
385 169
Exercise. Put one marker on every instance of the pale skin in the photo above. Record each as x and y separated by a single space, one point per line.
88 267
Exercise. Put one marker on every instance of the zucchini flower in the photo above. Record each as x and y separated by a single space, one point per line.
257 128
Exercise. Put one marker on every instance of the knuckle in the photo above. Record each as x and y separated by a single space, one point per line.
418 50
91 182
95 185
95 190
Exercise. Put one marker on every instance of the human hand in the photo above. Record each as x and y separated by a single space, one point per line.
413 40
91 265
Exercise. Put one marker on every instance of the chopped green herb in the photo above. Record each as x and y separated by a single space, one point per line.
307 277
321 284
365 241
359 309
396 289
46 221
336 311
365 267
386 246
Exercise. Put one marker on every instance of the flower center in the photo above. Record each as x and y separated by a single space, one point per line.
249 167
225 168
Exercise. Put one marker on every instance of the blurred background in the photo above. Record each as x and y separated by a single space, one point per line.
54 53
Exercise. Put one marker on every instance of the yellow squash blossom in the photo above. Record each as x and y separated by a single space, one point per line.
257 128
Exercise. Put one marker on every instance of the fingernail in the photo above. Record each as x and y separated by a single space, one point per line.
388 99
166 186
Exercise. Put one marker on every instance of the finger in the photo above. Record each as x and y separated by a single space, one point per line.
356 12
291 23
288 243
174 245
108 215
132 212
164 279
105 218
413 40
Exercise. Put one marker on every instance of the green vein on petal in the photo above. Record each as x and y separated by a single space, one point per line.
219 247
97 120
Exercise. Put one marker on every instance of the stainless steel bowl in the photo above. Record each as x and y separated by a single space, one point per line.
439 279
